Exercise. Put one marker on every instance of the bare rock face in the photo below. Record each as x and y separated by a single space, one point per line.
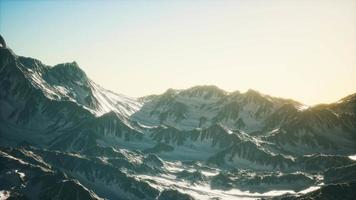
2 42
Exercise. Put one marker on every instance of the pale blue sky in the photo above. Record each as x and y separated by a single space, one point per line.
301 49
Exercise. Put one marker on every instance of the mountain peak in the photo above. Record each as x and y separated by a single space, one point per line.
6 55
70 70
171 91
251 92
2 42
69 65
33 64
204 90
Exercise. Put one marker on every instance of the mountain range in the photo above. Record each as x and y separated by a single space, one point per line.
63 136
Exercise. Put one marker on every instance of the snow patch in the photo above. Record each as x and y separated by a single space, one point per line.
4 194
353 157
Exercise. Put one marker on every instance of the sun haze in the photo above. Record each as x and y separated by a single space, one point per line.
300 49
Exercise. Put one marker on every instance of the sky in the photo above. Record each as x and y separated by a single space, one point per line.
299 49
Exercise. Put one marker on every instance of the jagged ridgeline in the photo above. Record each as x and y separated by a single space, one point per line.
63 136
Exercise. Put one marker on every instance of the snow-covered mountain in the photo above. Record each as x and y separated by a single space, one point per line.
290 124
38 100
61 133
63 83
203 106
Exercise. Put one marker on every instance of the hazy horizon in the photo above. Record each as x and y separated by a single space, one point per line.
139 48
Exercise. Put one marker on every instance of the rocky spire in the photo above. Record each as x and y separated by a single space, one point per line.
2 42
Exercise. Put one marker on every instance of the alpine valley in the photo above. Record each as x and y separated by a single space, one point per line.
63 136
